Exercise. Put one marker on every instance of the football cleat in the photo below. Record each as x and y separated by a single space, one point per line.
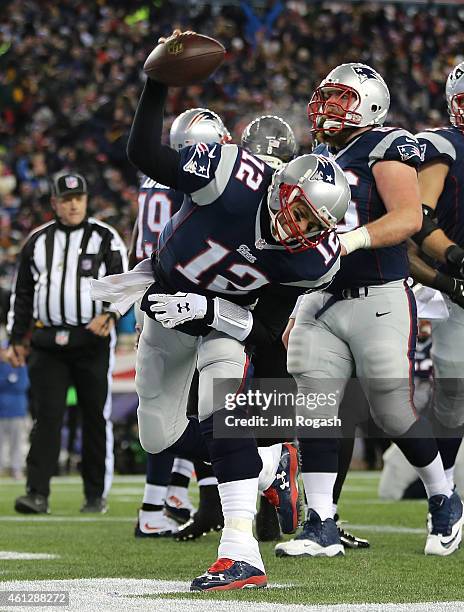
178 510
32 503
154 525
445 520
207 518
317 539
348 539
283 492
226 574
267 522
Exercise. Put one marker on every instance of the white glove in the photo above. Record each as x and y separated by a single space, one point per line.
172 310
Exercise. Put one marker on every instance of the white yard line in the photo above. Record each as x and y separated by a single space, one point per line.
67 519
125 519
127 595
13 555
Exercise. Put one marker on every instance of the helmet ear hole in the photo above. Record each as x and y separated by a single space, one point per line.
375 108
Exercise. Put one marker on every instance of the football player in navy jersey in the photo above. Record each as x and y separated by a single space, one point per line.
163 507
243 228
366 319
441 181
271 140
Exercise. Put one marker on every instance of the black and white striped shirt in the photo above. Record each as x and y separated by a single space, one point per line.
52 283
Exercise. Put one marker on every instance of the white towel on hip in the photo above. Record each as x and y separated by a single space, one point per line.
123 290
430 303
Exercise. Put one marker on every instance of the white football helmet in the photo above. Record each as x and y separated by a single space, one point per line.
321 185
455 95
198 125
351 95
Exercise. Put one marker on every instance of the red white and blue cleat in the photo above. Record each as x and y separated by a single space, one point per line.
283 492
226 574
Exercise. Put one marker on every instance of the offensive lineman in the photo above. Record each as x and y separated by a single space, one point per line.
367 317
441 182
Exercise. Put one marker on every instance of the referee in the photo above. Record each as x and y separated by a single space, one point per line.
72 340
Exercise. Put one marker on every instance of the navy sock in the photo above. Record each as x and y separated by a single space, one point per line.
159 468
191 445
319 454
203 470
179 480
232 459
418 444
448 448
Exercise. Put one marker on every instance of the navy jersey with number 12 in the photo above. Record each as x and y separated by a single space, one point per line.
220 242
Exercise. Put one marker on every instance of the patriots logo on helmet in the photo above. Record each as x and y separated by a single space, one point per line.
458 73
324 171
364 72
204 116
407 151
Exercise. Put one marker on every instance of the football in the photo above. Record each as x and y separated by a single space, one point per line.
184 60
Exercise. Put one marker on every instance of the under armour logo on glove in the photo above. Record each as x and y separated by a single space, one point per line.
181 307
173 310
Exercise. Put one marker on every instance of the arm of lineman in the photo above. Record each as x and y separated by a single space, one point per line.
426 275
398 187
432 239
21 309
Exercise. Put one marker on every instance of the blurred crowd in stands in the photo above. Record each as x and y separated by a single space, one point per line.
71 74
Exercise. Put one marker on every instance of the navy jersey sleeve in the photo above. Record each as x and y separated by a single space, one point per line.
395 145
205 169
435 146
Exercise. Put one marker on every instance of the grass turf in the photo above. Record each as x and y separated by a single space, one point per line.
394 569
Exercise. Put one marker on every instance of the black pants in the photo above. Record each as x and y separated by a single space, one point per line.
52 372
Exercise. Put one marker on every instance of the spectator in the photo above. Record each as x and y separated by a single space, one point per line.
14 384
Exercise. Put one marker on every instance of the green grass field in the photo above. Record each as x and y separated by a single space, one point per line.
394 569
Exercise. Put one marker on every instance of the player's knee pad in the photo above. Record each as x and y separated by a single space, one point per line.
394 423
156 433
301 349
448 414
232 458
390 401
151 435
448 392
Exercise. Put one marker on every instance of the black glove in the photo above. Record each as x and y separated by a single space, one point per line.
454 256
453 287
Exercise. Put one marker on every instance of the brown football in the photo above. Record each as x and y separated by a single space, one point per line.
184 60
